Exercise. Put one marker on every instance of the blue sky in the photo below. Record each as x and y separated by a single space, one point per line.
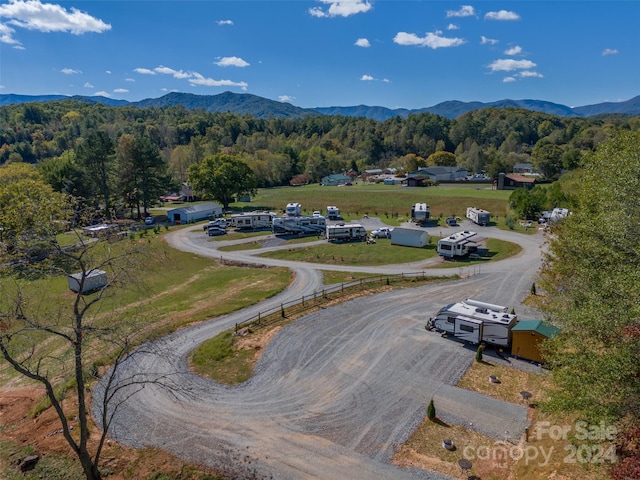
322 53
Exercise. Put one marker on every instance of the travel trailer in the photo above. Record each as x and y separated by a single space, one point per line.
478 216
293 209
252 220
333 213
346 233
475 322
457 245
420 212
301 226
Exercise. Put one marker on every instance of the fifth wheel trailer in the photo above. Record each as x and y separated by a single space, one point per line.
456 245
420 212
314 225
474 324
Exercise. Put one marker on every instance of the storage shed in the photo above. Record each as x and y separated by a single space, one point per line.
94 280
528 335
409 237
194 213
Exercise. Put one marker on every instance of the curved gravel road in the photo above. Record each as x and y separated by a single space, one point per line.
336 391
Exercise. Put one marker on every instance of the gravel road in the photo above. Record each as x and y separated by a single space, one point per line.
336 391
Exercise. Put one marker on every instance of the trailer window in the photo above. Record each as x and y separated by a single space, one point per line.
466 328
451 319
444 246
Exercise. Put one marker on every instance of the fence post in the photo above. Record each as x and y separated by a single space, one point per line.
258 318
303 300
236 328
282 310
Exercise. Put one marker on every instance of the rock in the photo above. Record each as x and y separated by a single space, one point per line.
29 462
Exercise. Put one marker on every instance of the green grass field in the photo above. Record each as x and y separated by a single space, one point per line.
392 203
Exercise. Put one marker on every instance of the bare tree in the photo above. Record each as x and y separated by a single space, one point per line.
50 344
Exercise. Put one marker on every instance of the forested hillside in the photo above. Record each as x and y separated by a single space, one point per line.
277 150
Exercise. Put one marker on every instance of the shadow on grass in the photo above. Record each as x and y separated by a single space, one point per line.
442 423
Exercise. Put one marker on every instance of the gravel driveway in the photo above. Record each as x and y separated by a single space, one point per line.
336 391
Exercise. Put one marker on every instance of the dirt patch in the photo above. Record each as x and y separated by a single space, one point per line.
43 435
536 455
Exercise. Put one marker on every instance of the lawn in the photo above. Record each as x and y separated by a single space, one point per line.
392 203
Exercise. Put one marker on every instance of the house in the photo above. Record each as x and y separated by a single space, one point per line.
335 179
528 336
513 181
523 168
194 213
409 237
436 174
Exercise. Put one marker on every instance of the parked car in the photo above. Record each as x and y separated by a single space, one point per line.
382 232
452 222
218 222
215 231
149 221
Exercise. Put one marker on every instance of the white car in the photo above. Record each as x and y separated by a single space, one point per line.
382 232
218 222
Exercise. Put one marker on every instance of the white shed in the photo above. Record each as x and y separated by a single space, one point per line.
94 280
409 237
194 213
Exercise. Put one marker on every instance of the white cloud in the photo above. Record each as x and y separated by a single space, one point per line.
431 40
231 62
129 79
487 41
45 17
70 71
88 85
2 87
453 26
108 72
225 22
340 8
144 71
367 78
198 79
170 71
530 74
609 51
102 93
513 50
120 90
508 65
465 11
502 15
362 42
286 98
508 80
386 80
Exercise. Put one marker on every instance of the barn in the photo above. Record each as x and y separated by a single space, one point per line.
409 237
194 213
527 337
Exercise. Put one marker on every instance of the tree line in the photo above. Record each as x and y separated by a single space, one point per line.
276 150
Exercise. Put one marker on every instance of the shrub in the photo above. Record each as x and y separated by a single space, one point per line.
479 354
431 411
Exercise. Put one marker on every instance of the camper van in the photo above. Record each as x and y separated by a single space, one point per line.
420 212
478 216
293 209
475 322
300 226
346 233
252 220
457 245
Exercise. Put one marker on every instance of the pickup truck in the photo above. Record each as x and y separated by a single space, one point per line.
382 232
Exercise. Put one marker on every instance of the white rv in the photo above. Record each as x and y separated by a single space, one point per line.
314 225
293 209
456 245
333 212
478 216
475 322
252 220
420 212
346 233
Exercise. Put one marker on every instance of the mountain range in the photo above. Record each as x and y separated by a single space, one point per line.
244 103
